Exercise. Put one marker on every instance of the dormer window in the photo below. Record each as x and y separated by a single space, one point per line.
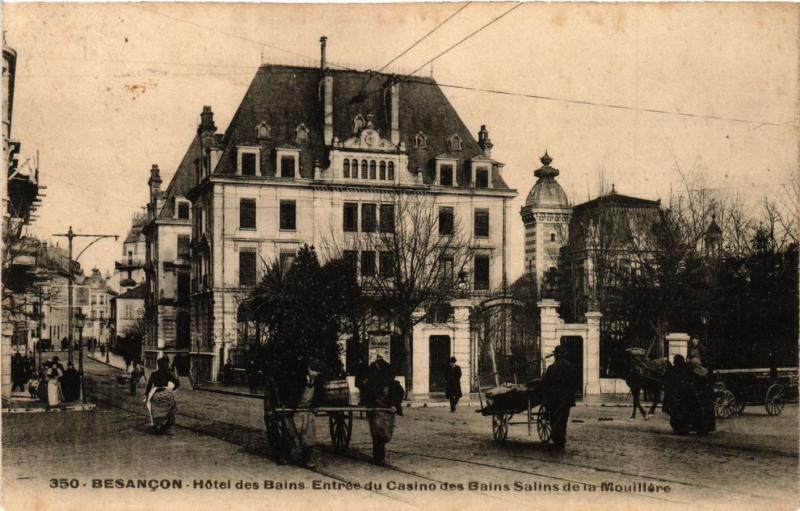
454 143
262 131
301 133
288 163
183 209
446 172
481 176
420 141
249 161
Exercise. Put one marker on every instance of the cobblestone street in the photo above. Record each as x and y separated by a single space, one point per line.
750 461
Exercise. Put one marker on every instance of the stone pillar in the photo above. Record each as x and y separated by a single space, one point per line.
421 362
678 344
549 320
5 355
461 343
591 354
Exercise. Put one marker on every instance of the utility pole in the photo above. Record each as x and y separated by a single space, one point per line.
70 234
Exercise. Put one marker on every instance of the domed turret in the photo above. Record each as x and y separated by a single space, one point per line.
547 193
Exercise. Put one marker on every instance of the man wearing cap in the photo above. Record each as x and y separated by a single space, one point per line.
559 384
452 380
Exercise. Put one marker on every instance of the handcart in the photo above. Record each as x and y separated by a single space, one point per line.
503 402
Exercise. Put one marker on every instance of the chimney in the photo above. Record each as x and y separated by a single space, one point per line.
323 42
485 142
327 102
207 127
394 92
155 191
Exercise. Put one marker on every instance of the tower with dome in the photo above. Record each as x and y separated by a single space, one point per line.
546 215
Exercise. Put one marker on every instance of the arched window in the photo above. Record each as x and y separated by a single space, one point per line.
364 169
346 167
420 141
383 170
390 173
372 171
355 169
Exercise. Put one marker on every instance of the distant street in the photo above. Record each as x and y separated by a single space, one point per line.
750 461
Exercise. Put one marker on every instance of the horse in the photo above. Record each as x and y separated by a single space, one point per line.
644 374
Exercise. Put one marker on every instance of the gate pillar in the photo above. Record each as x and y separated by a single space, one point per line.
461 343
678 344
591 353
549 321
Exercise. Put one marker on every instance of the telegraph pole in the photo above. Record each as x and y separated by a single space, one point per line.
70 234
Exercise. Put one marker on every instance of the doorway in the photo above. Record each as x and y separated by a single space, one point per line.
439 355
574 346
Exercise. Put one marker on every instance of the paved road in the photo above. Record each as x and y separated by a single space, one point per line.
751 461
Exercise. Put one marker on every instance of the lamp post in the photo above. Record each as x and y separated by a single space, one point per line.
462 284
80 320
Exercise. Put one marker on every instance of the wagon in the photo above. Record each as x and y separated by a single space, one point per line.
503 402
736 388
339 413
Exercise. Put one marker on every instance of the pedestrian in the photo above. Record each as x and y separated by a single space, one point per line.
452 378
54 374
303 393
380 389
71 383
17 373
559 384
697 351
227 372
252 376
137 373
127 359
159 397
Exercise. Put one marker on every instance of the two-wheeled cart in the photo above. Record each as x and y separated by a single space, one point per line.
736 388
504 402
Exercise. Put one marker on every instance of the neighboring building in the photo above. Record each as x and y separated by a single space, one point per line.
127 314
307 159
167 259
129 271
98 313
546 215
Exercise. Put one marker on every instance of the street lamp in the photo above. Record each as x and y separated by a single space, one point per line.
80 321
462 284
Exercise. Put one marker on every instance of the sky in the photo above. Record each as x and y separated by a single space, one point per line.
637 95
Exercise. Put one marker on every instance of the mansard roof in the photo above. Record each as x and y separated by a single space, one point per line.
285 96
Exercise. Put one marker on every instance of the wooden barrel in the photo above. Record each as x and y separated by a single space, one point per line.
336 393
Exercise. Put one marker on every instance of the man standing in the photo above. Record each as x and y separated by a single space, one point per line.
452 378
559 384
227 373
379 383
71 384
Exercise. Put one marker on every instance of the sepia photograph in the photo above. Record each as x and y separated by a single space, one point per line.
455 255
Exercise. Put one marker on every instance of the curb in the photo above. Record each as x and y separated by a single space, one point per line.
229 392
105 363
71 408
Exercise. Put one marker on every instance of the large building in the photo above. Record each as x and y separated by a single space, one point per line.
99 323
129 270
167 258
315 156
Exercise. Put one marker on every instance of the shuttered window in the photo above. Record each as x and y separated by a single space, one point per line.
481 271
445 221
350 217
247 268
247 213
288 215
481 223
368 263
368 218
387 217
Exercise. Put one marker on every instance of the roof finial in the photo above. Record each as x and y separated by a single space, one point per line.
613 190
546 159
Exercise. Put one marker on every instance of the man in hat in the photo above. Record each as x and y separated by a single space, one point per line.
559 385
452 383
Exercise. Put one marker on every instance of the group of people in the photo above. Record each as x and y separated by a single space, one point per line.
252 371
51 383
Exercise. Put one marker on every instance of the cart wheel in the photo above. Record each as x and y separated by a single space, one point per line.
725 404
341 427
774 400
500 426
543 424
737 407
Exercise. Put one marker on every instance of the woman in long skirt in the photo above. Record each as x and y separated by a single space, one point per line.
54 374
160 400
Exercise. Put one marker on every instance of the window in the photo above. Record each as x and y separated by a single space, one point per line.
445 221
183 246
364 169
368 218
446 175
346 167
482 177
94 299
387 217
287 166
288 215
350 217
248 164
390 171
383 170
247 268
368 263
102 314
183 210
481 272
446 269
481 223
372 174
287 259
386 264
351 258
183 288
247 213
552 236
355 169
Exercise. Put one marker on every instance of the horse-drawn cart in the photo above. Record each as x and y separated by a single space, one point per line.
503 402
736 388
